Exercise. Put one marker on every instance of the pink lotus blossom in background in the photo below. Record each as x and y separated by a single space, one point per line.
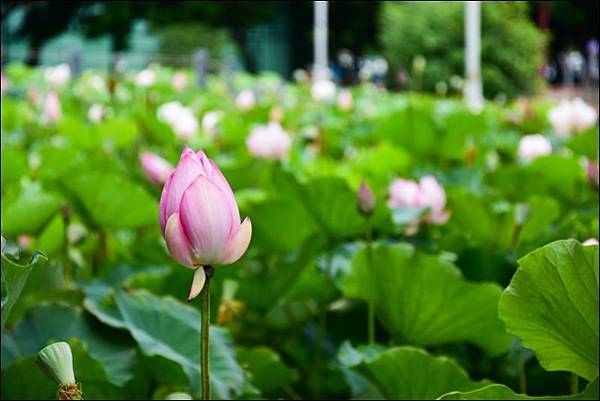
323 91
145 78
366 199
179 81
156 169
52 108
210 122
533 146
58 76
427 193
245 100
96 113
590 241
572 116
345 101
3 84
199 217
269 142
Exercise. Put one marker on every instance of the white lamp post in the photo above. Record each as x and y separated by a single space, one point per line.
473 90
320 41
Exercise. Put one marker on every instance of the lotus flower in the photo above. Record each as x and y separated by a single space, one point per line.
427 193
58 76
181 119
3 84
199 217
593 173
269 142
366 199
52 108
179 81
156 169
572 116
533 146
344 100
590 242
96 113
323 91
210 122
145 78
246 100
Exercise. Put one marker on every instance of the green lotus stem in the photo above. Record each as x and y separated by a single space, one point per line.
574 383
205 325
522 379
372 282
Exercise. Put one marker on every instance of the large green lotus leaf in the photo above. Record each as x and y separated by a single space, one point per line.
560 174
501 392
424 300
165 327
112 200
78 134
552 305
14 164
280 225
118 132
29 212
24 380
269 372
52 238
56 162
586 144
407 373
96 384
332 204
14 278
56 322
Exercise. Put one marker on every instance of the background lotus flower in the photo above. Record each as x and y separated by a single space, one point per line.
58 76
590 241
181 119
210 121
269 142
245 100
572 117
3 84
156 169
52 108
532 146
345 100
145 78
179 81
427 193
433 196
593 173
96 113
199 217
323 91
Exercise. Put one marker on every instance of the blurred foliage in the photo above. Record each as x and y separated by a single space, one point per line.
511 45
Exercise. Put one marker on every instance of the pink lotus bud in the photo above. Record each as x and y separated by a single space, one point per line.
344 100
433 196
572 117
403 193
246 100
24 242
323 91
156 169
52 109
590 241
180 118
560 118
269 142
366 199
533 146
179 81
199 217
593 173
